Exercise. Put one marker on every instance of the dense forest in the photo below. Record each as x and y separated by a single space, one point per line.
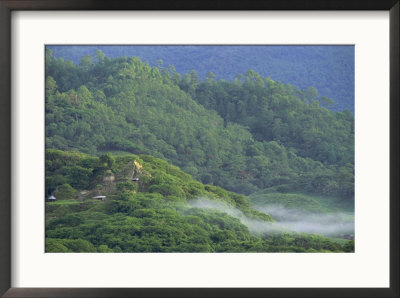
330 69
200 147
165 211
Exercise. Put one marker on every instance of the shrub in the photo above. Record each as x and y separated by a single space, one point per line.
126 186
65 191
55 245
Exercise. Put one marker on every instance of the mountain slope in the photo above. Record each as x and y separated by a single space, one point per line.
330 69
165 210
273 111
125 105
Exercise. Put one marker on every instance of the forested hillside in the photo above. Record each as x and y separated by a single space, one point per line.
164 211
143 159
273 111
244 136
330 69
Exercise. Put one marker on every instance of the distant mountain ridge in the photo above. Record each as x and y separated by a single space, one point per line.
330 69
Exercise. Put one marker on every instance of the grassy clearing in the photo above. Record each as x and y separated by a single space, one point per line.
304 202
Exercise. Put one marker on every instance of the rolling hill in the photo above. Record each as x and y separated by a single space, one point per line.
330 69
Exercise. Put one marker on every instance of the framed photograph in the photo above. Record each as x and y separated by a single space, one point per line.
200 149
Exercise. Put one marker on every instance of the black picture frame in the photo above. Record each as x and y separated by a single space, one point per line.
6 7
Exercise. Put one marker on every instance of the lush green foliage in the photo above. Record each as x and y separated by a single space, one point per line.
262 134
154 214
274 111
330 69
122 124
